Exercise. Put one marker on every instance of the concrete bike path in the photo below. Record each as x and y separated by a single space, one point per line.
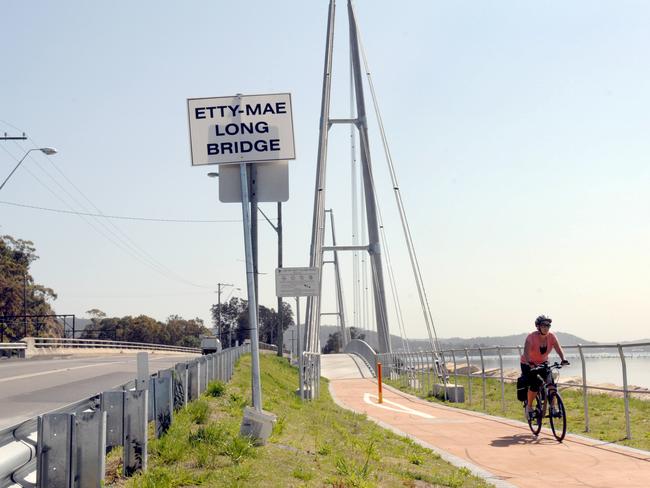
503 451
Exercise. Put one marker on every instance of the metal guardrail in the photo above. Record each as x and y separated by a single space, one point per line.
59 342
420 370
11 348
32 453
310 386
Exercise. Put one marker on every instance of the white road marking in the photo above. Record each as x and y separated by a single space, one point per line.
396 408
41 373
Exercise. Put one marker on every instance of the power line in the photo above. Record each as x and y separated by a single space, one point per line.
123 242
118 217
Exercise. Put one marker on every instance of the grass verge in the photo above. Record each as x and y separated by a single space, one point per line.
606 413
313 444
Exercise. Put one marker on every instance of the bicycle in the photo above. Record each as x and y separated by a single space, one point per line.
548 398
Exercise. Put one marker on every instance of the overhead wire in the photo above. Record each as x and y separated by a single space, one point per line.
122 243
120 217
130 242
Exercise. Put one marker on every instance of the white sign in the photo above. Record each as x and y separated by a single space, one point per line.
271 185
241 129
297 282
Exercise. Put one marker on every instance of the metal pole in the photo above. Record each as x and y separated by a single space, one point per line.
480 351
250 285
254 234
16 167
626 393
219 310
503 387
469 378
345 333
312 315
453 358
280 333
25 301
584 387
300 372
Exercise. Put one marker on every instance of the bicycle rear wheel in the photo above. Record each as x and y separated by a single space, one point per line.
535 423
557 416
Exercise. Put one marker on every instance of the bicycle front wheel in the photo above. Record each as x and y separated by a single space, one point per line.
535 422
557 416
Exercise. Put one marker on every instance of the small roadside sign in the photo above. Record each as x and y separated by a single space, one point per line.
297 282
271 184
241 129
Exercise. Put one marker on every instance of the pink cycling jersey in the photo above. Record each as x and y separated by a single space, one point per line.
536 353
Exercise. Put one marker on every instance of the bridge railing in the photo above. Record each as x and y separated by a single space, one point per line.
43 451
420 371
67 343
365 351
13 348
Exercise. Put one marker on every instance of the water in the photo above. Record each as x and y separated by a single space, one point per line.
600 369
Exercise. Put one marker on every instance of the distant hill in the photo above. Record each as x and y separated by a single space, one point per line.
450 343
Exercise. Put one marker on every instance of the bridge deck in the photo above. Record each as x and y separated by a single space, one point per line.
342 366
504 451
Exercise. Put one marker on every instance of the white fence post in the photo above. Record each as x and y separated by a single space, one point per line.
626 392
584 387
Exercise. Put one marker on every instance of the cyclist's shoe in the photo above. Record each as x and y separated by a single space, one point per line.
530 414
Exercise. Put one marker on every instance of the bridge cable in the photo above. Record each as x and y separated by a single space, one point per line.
424 302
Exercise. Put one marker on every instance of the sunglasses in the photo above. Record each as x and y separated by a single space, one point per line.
548 326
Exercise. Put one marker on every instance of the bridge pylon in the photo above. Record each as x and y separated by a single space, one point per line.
373 248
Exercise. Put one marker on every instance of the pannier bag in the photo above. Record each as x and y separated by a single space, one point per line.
522 389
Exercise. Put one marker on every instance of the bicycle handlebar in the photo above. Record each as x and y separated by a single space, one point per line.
545 365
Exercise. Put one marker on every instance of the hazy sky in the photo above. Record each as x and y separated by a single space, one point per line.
520 133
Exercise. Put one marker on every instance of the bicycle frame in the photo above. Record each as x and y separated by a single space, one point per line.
545 395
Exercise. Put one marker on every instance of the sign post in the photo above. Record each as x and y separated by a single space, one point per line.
250 285
243 129
297 282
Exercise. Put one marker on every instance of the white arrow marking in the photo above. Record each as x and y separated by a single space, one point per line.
397 407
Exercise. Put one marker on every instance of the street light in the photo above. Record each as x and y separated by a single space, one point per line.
48 151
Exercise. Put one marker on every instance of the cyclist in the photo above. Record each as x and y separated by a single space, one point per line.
536 350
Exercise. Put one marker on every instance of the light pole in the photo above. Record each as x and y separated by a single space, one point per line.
219 286
48 151
278 229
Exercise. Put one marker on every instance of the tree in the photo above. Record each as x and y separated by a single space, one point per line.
235 325
181 332
175 332
355 333
20 295
333 344
234 320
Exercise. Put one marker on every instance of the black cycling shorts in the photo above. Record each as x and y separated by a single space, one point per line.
533 381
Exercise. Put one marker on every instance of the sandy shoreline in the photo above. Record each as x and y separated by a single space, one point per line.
569 382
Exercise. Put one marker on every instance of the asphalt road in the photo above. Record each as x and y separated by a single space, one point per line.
30 387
